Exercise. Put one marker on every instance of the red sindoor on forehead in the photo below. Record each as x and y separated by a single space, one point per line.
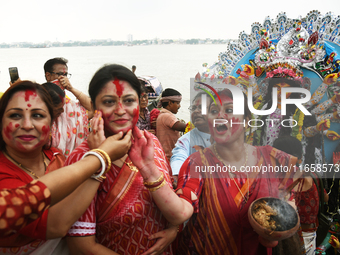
118 87
29 93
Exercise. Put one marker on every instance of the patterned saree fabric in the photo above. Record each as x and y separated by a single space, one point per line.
70 129
124 228
220 223
32 236
21 206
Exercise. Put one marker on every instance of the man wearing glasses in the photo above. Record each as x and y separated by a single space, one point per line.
56 70
70 129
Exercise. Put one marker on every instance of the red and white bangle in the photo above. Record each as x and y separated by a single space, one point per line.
98 176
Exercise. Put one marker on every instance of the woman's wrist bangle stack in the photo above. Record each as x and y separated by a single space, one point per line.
155 185
102 156
106 157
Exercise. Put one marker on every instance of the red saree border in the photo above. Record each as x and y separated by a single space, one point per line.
118 190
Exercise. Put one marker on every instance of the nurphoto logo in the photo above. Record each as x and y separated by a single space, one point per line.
238 102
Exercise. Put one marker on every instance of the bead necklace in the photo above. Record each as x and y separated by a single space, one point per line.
245 162
25 168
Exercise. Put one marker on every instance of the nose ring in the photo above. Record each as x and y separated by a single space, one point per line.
32 126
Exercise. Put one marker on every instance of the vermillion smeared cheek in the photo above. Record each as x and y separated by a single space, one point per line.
8 130
107 117
45 130
44 136
235 127
17 125
135 116
119 87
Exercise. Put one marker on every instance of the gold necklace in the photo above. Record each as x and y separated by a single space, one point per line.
129 164
220 159
25 168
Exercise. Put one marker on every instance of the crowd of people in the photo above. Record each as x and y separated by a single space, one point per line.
107 175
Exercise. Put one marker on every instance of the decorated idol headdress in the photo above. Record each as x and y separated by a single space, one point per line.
280 48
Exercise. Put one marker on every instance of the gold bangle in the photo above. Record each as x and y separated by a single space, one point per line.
79 94
158 187
105 156
154 182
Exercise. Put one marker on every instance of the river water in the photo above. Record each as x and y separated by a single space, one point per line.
172 64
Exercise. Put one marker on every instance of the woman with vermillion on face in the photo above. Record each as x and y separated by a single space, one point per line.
221 199
125 217
26 154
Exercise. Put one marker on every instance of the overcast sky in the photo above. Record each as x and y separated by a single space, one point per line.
63 20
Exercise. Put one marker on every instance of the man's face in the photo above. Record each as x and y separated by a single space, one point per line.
58 70
197 118
143 100
174 106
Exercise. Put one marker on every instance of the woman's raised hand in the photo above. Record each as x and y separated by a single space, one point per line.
164 239
142 153
97 135
116 146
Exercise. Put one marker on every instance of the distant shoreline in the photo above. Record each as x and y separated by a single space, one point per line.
111 43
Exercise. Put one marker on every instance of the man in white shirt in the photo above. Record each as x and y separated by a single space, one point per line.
199 136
